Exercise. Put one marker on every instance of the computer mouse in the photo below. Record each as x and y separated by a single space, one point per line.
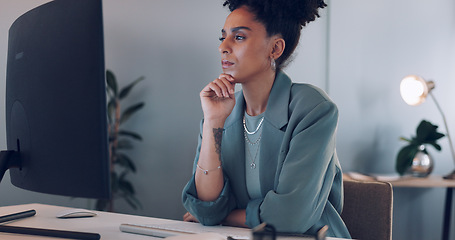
75 213
198 236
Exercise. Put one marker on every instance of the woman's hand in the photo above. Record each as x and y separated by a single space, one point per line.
217 98
236 218
189 218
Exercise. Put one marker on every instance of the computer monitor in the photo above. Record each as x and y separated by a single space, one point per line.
56 117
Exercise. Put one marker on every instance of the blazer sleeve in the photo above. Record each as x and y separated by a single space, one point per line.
306 175
207 213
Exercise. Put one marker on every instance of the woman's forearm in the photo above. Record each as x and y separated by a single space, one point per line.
209 173
236 218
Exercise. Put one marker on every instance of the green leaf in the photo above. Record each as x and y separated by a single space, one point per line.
124 161
405 139
427 132
133 202
111 106
126 187
111 82
130 134
126 90
124 144
435 136
405 157
114 182
101 204
423 130
435 145
130 111
121 187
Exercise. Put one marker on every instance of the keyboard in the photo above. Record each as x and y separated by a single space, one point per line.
169 229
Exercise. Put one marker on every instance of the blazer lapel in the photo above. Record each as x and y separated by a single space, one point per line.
276 117
233 148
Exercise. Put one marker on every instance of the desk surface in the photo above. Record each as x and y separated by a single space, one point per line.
406 181
427 182
105 223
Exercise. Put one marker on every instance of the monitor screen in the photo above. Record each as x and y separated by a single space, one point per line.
56 117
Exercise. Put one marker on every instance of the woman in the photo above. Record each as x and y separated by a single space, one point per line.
266 153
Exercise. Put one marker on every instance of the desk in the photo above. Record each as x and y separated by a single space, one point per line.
106 224
431 181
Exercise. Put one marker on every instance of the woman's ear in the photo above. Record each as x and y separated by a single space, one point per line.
278 47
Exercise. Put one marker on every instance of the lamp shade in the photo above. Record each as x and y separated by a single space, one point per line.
415 89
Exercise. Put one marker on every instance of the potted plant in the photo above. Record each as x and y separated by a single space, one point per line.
414 158
119 140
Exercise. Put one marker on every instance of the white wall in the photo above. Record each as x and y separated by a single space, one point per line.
372 45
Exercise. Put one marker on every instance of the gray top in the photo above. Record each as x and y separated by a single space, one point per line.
252 157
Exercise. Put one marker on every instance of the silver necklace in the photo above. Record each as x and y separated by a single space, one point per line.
255 131
248 139
245 132
253 159
253 164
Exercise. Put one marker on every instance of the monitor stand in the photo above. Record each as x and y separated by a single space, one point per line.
10 159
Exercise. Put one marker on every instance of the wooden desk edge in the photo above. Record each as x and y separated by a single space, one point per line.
407 181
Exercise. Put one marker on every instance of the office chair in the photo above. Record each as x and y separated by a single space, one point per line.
367 210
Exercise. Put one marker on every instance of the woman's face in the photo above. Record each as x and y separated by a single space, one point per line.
245 48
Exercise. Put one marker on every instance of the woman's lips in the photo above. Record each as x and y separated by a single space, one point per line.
226 64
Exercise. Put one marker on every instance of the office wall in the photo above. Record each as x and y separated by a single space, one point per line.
371 46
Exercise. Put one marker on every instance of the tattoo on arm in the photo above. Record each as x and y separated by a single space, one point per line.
218 134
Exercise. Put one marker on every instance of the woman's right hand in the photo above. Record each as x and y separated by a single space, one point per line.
189 218
217 98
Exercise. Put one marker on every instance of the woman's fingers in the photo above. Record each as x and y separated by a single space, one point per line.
228 80
221 87
189 218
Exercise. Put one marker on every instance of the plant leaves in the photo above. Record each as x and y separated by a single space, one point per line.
130 111
436 135
101 204
405 139
130 134
126 187
111 82
427 132
124 144
122 165
435 145
405 157
133 202
114 182
124 161
111 106
130 202
126 90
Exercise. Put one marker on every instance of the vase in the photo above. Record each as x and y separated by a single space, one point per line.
422 164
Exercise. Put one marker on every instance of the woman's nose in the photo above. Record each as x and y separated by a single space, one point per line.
224 47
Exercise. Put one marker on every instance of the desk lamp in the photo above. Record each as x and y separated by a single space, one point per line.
414 90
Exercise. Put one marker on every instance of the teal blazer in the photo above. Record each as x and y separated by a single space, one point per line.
300 176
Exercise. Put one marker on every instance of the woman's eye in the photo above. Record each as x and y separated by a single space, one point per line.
221 39
239 38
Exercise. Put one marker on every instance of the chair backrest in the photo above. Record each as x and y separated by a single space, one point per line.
367 210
